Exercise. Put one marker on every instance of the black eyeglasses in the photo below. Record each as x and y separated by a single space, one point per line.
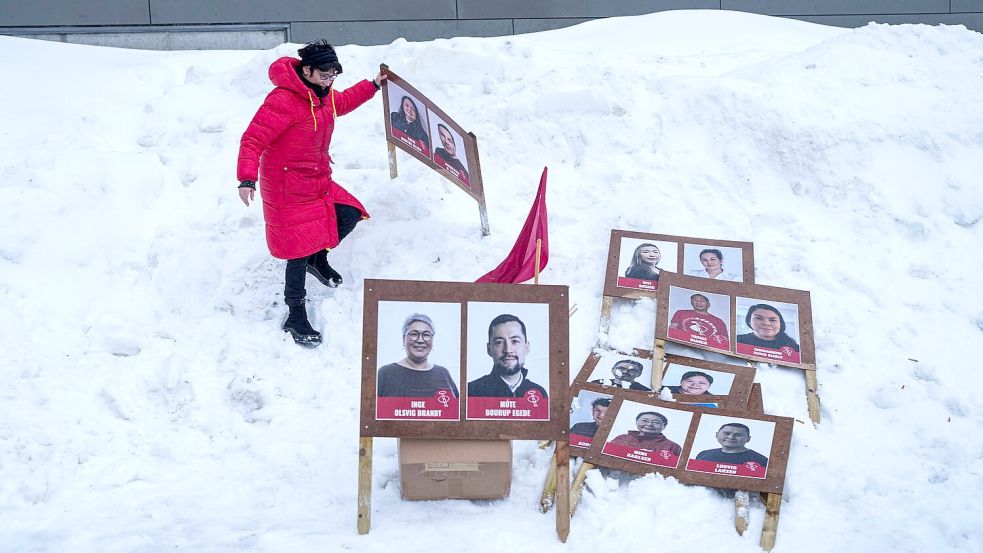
416 335
325 76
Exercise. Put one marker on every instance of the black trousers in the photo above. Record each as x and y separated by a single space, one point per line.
294 291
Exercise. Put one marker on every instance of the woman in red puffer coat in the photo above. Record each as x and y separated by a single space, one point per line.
285 148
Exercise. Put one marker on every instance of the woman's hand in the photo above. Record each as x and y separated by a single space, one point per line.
379 78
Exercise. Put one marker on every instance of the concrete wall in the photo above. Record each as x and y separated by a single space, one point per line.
254 24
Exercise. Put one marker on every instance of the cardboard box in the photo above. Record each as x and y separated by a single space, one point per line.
455 469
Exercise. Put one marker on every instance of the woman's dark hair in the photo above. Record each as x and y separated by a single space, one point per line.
602 401
414 129
636 258
766 307
319 55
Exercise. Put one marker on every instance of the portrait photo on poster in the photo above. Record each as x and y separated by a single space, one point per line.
731 446
508 361
450 151
648 434
620 370
768 330
693 381
419 352
587 412
640 261
714 262
409 120
699 318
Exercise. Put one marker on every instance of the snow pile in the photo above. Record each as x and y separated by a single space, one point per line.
153 404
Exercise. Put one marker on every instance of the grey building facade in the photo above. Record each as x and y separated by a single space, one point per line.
260 24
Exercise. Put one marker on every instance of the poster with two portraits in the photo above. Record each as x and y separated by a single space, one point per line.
420 128
707 299
464 360
720 448
636 261
710 435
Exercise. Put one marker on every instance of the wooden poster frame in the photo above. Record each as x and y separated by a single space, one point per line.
555 429
554 296
614 269
773 482
734 290
470 146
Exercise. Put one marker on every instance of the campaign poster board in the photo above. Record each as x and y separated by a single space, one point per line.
602 374
697 381
717 448
587 412
464 360
636 261
750 321
615 369
420 128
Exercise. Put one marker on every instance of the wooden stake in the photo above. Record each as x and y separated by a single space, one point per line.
578 486
769 532
364 485
393 173
562 455
742 504
606 302
480 196
658 360
539 249
812 397
549 488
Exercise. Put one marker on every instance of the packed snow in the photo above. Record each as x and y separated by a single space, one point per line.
152 403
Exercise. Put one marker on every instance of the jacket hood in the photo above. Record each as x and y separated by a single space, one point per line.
283 73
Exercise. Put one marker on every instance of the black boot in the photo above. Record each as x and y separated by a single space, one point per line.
300 328
317 266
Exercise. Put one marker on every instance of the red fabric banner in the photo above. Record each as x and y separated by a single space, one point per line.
520 265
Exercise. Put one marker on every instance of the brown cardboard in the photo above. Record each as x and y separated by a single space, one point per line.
454 469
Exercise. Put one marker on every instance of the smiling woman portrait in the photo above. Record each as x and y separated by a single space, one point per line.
767 328
414 375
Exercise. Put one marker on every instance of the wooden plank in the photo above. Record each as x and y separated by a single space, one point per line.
812 397
658 360
606 302
769 532
549 488
578 486
562 455
393 173
482 207
742 503
364 485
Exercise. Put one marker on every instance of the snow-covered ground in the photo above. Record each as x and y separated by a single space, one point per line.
151 402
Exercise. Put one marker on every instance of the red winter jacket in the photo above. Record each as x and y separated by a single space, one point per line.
285 148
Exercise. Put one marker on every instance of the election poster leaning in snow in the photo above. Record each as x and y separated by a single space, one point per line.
462 360
637 261
420 128
719 448
751 321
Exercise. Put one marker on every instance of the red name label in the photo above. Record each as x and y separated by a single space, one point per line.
509 408
440 407
747 470
786 354
625 282
645 456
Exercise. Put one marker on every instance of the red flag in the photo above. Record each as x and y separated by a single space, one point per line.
520 265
